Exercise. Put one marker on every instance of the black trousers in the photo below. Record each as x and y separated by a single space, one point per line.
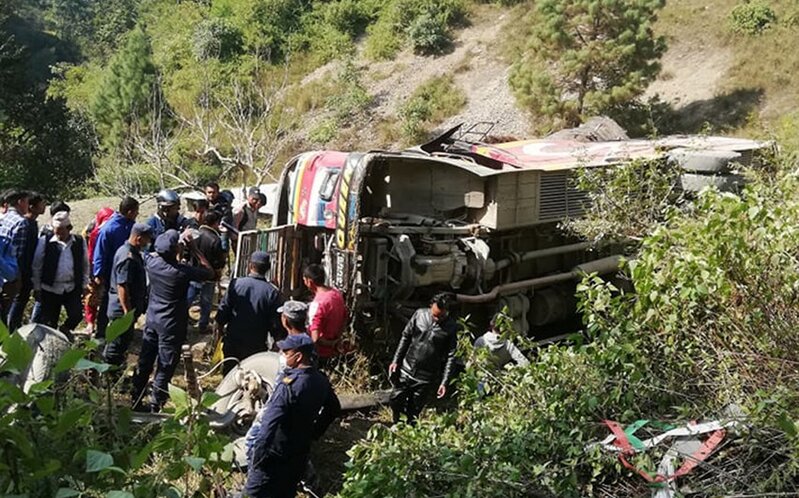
102 316
409 398
160 351
18 304
70 301
116 351
8 292
274 480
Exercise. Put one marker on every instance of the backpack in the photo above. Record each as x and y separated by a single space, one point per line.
9 270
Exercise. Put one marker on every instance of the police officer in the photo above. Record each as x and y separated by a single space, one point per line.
167 314
168 214
427 343
249 313
128 289
300 409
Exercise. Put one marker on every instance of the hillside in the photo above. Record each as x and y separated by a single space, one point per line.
142 94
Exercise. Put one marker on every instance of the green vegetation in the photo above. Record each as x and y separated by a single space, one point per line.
430 104
752 18
69 438
42 144
425 25
711 324
175 94
585 57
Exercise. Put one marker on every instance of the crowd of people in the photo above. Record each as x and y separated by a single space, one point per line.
154 269
157 269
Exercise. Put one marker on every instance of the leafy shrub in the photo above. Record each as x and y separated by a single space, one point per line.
216 38
71 438
424 24
352 98
324 131
382 40
752 17
428 35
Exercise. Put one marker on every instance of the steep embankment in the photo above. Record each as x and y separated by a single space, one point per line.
711 76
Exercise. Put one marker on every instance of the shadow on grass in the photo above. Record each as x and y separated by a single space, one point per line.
721 113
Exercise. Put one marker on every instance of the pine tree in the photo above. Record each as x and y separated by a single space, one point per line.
126 89
587 56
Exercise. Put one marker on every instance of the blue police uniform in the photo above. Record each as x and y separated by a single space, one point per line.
249 309
166 320
128 270
301 408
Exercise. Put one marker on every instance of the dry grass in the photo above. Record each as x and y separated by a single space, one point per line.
763 63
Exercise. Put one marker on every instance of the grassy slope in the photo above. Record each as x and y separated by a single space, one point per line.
760 75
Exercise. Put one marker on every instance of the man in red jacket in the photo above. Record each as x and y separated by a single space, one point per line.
327 314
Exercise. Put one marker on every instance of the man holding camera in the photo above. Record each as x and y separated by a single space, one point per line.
167 313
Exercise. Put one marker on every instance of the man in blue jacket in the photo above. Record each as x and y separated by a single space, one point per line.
112 235
249 310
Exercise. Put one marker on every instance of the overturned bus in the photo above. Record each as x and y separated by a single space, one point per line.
482 221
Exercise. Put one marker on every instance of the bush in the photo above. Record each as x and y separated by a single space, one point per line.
423 24
428 35
72 439
324 132
216 38
752 18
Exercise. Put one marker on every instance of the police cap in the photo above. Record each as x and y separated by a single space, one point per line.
167 242
294 310
142 229
296 341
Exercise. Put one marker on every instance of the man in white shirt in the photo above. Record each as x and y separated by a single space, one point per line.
61 274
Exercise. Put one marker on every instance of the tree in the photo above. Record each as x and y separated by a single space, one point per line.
587 57
245 129
112 19
42 145
126 89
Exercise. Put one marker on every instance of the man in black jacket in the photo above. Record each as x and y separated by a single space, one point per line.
61 274
428 344
209 244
